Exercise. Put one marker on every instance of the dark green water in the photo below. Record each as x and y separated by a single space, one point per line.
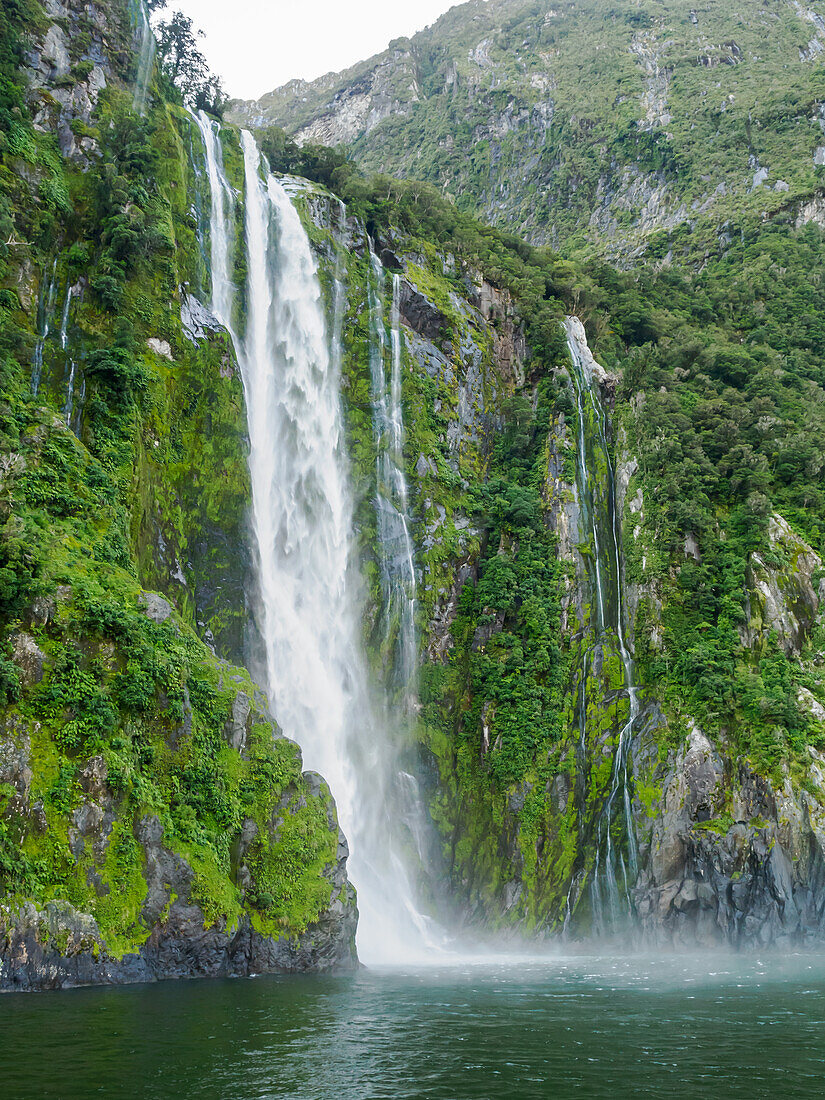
582 1026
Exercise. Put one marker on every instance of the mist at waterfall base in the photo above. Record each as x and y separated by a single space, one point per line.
308 606
744 1028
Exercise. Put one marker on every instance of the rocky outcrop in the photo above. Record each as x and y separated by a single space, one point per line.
419 313
68 66
786 599
56 946
159 901
375 92
734 859
564 519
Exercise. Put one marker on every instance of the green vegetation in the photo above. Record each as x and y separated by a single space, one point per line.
127 471
506 659
716 344
597 127
722 403
720 400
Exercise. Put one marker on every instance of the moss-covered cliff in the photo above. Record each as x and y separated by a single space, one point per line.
154 820
709 412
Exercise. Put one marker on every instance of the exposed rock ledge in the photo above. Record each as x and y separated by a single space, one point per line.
58 947
734 859
180 924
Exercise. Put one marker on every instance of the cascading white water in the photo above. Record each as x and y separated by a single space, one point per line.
64 318
404 588
146 56
222 202
48 296
308 611
64 339
611 616
395 546
396 555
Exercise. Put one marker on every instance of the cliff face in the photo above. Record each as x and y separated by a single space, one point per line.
619 705
154 821
525 699
730 847
614 128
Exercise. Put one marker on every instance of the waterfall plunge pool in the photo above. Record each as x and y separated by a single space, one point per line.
524 1027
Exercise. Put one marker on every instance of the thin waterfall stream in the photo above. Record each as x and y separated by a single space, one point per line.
48 298
307 607
610 876
397 557
71 364
145 50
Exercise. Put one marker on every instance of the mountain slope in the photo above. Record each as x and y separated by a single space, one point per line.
607 126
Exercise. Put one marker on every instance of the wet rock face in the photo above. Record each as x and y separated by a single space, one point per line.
28 657
196 320
787 600
751 877
69 66
57 946
564 518
509 341
419 313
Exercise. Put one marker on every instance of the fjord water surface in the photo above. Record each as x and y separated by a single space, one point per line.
584 1026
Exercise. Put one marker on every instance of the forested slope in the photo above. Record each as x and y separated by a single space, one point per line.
626 129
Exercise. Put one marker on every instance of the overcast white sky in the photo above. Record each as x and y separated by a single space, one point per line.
255 45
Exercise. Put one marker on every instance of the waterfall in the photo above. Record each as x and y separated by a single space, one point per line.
64 318
600 519
221 212
395 551
308 608
395 547
48 297
64 339
199 166
145 42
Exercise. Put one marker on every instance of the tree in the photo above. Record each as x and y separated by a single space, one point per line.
184 67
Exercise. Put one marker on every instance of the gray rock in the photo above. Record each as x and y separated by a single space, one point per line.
156 607
419 313
59 947
425 466
782 599
92 777
196 320
237 727
756 881
42 611
28 657
160 347
15 759
429 359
